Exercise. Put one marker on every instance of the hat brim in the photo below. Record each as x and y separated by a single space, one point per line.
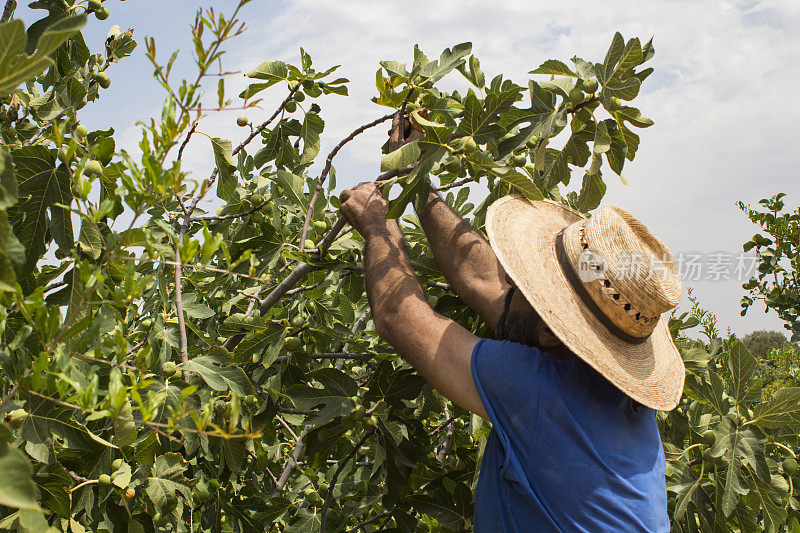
522 234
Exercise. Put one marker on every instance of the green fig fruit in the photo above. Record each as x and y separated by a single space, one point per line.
117 464
299 97
242 121
790 466
358 413
590 86
291 106
93 5
104 479
575 96
298 321
81 131
470 145
93 168
292 343
146 323
101 14
220 406
320 225
709 437
309 244
169 368
614 103
103 80
519 160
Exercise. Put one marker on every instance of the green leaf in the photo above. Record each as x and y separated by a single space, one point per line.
119 44
125 431
332 398
90 240
218 374
16 67
626 89
475 75
293 186
313 126
555 68
8 182
774 515
223 157
271 71
620 59
592 191
17 489
782 410
402 157
742 365
43 183
520 181
167 481
448 60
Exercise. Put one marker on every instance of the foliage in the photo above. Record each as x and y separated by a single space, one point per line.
761 342
777 282
165 368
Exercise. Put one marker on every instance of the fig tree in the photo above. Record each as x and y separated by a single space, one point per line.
102 78
242 121
790 466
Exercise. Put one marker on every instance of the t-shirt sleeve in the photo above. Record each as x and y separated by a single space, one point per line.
508 376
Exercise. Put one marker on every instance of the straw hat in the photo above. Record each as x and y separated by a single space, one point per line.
601 284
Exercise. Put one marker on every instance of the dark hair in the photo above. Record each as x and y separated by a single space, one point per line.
517 327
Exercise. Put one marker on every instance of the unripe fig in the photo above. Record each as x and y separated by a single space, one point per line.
257 199
220 406
170 367
81 131
299 97
790 466
146 323
93 168
17 415
117 464
370 422
298 321
320 225
291 106
709 437
104 479
114 475
348 423
358 413
575 95
242 121
590 86
292 343
323 488
309 244
470 145
102 78
101 14
519 160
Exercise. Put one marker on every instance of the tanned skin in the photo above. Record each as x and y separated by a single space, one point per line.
437 347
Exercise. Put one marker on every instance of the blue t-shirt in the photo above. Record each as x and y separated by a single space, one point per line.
568 451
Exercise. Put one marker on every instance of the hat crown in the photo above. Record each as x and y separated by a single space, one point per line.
638 264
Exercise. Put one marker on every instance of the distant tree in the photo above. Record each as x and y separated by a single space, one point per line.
761 342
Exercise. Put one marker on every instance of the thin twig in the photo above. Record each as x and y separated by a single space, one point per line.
44 126
291 463
369 521
302 288
457 183
442 453
288 428
327 169
10 395
186 140
336 355
338 471
438 428
9 9
179 308
217 218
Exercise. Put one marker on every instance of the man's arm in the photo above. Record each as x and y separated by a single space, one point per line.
436 346
465 259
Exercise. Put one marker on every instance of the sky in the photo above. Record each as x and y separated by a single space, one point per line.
723 97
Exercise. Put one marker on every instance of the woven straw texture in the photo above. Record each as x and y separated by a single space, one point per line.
523 235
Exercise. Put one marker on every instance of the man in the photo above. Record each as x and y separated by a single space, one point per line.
583 355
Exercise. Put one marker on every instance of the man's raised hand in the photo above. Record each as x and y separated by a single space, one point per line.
364 207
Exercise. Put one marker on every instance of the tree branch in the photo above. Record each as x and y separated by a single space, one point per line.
10 395
186 140
338 471
327 169
368 521
179 308
291 463
332 355
9 9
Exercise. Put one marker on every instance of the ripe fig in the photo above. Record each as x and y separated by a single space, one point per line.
790 466
93 168
242 121
104 479
102 78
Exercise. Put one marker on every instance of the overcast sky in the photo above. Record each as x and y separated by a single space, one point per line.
724 95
